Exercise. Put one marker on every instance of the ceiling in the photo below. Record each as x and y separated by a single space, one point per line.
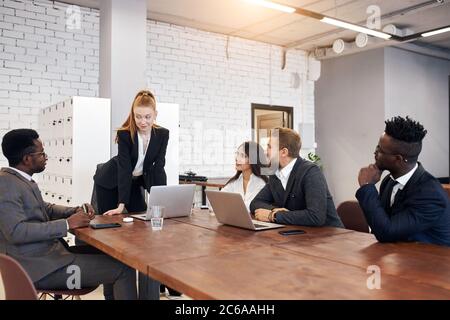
242 19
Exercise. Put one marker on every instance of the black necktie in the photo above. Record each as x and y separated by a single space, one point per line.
388 192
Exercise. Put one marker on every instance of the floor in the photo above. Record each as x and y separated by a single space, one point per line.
98 294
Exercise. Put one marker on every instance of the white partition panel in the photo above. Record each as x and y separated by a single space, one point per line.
91 143
169 117
76 137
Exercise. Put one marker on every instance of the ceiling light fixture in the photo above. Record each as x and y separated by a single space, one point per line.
357 28
272 5
321 17
435 32
348 25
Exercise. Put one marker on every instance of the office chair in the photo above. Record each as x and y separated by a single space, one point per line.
18 285
352 216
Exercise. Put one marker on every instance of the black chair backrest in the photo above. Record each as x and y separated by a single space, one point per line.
94 193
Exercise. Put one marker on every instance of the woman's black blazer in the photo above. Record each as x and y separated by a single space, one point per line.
117 172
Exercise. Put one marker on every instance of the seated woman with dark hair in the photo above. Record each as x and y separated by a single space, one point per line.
248 181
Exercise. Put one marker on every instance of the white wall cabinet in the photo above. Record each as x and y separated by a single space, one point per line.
76 134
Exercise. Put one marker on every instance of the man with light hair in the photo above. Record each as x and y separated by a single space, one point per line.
297 194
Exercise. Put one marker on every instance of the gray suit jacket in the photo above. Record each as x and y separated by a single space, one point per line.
30 228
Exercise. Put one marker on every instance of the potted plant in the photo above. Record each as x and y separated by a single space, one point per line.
315 159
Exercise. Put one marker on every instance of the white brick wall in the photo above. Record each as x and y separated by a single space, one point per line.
42 61
191 68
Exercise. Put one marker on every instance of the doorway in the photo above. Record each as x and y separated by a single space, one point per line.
267 117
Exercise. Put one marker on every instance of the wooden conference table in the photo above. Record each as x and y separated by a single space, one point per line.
206 260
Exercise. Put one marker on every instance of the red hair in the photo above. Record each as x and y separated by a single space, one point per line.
144 98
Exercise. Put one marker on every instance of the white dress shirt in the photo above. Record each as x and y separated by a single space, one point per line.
23 174
402 181
255 184
283 174
139 168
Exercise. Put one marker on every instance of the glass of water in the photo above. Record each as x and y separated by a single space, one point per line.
157 217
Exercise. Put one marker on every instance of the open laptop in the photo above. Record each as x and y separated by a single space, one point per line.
177 200
230 209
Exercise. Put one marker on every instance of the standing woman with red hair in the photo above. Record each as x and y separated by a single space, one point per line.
139 165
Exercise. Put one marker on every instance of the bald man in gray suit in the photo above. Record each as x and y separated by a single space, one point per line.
31 229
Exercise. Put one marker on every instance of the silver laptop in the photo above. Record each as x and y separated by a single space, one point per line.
177 200
230 209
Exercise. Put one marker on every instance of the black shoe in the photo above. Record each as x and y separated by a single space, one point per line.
173 292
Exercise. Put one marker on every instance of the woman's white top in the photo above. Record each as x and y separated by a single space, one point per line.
255 184
139 168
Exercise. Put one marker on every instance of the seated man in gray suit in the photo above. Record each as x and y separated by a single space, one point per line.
31 229
297 193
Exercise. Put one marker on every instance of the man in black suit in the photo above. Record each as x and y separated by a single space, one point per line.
297 193
412 205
